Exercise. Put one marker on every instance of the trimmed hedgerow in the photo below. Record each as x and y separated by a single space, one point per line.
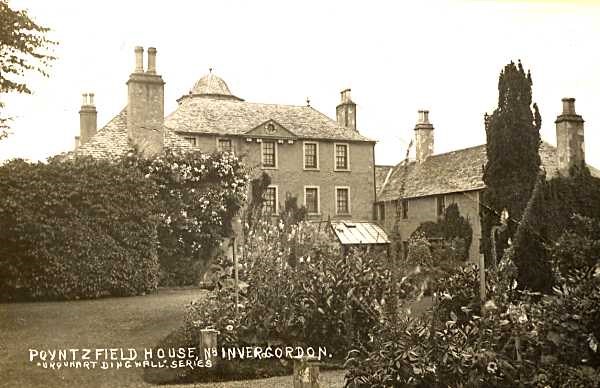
76 229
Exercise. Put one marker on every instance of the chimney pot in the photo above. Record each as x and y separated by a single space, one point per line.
91 101
423 117
151 60
568 106
139 59
346 96
83 99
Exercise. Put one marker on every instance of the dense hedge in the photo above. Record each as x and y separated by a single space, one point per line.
81 228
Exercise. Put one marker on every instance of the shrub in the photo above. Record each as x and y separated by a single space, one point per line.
453 231
198 195
320 298
518 339
66 233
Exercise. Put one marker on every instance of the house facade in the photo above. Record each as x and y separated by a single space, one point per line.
420 190
326 164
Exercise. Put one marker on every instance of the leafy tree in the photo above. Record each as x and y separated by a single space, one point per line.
23 48
451 228
513 161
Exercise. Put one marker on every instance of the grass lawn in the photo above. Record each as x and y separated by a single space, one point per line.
134 322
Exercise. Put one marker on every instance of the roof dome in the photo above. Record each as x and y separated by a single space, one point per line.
212 85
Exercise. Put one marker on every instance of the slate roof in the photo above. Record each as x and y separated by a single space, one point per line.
112 141
451 172
381 175
207 115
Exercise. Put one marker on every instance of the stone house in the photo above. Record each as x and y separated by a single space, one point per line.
421 189
326 164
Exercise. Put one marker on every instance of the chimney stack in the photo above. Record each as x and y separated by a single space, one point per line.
569 138
423 137
346 111
145 105
88 119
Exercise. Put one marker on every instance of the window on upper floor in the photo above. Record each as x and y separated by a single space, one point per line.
341 157
192 140
269 154
270 203
342 200
404 205
224 145
311 155
311 200
440 205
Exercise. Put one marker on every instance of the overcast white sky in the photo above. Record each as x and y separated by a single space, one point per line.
397 57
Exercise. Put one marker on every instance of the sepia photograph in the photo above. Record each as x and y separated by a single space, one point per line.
306 194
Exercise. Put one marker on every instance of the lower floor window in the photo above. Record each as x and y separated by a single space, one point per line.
311 198
270 200
342 200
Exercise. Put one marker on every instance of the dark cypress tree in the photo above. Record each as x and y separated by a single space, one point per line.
513 161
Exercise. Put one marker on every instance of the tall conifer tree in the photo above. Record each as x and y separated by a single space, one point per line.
513 161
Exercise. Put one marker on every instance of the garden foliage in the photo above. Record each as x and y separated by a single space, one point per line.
198 194
517 338
453 232
513 161
85 228
296 289
80 228
550 213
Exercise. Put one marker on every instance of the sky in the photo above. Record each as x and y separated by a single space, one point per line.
397 57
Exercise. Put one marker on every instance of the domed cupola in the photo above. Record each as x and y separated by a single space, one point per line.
212 86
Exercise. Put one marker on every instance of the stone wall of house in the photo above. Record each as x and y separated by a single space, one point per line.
424 209
291 177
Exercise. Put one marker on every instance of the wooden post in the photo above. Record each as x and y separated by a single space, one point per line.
482 279
207 348
306 372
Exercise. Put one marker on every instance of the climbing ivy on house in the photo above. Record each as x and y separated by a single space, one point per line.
513 161
555 207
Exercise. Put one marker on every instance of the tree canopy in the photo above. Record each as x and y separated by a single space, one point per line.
23 48
513 161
